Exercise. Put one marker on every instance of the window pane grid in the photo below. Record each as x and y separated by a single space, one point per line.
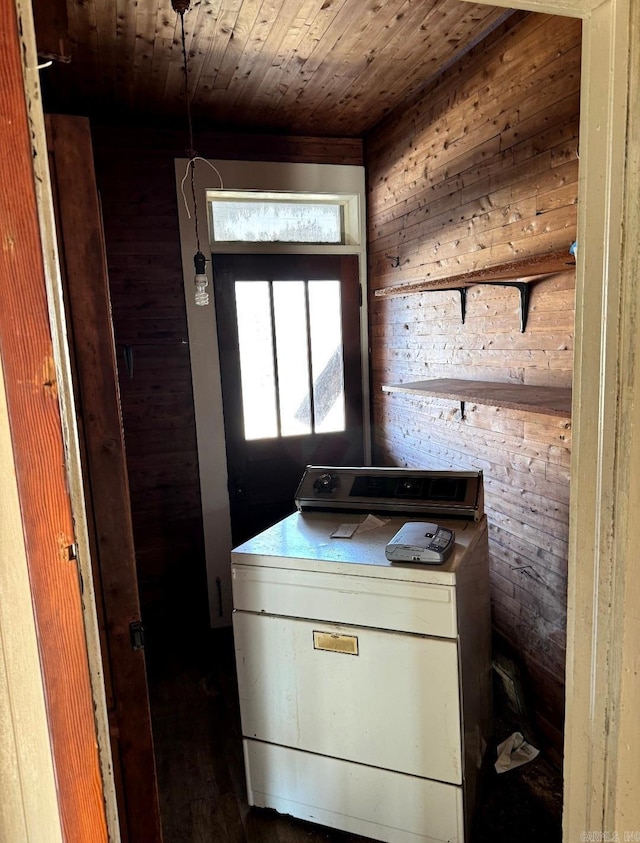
327 358
312 414
255 334
291 329
297 357
274 357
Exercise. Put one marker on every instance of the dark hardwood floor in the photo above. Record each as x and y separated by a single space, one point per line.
196 725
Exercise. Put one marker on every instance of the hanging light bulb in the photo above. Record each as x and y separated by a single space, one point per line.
201 280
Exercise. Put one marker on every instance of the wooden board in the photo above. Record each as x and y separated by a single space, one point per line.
525 269
26 356
548 400
293 66
50 19
104 466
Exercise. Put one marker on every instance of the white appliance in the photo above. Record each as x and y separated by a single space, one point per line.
364 683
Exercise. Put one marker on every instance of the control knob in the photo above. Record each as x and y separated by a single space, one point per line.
325 483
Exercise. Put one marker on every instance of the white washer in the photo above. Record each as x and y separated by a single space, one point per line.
365 684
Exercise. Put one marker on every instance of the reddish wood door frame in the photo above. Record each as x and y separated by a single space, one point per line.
34 416
90 329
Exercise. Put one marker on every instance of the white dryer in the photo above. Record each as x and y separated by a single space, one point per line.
365 684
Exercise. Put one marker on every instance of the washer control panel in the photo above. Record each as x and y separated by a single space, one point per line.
453 494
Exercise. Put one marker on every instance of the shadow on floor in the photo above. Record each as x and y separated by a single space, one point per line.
524 804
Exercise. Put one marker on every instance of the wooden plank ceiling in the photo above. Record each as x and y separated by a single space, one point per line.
311 67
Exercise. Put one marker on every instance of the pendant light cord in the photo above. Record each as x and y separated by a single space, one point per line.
192 164
191 150
193 156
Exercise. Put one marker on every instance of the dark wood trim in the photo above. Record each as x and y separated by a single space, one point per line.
88 306
263 473
52 30
34 415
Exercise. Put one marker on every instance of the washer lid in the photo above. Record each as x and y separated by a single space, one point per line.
305 541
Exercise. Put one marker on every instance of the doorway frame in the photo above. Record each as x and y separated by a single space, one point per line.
68 681
602 765
344 180
601 769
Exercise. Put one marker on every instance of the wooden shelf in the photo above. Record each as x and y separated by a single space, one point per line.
520 274
548 400
524 268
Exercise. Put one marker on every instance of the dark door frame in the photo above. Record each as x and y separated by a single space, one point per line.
104 469
263 474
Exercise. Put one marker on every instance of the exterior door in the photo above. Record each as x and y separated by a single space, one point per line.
289 338
88 310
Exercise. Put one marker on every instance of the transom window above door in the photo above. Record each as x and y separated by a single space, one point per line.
251 221
245 218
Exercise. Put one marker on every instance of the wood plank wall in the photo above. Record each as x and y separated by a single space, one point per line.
136 180
480 169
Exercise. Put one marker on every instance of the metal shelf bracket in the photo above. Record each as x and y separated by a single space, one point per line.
523 287
525 294
463 302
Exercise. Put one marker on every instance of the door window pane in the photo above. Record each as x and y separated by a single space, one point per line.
326 356
257 373
291 360
290 314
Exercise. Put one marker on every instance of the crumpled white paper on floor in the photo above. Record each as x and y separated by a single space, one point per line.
514 752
